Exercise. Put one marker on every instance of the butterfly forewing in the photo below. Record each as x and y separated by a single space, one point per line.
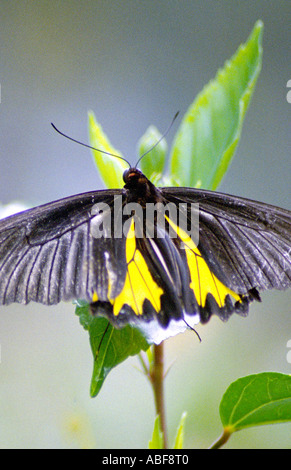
48 254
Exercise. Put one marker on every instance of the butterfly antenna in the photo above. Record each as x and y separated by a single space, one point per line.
89 146
161 138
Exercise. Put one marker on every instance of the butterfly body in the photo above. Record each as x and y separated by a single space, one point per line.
68 249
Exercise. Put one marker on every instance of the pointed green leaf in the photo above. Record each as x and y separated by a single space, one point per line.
210 130
110 168
256 400
110 346
157 438
152 165
179 439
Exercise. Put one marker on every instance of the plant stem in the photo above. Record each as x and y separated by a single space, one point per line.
221 440
157 380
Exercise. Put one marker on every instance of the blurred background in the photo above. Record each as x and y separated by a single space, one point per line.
134 64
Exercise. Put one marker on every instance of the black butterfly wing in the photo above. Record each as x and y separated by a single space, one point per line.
246 244
48 254
52 253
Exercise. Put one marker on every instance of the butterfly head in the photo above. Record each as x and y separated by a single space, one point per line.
132 175
134 179
140 188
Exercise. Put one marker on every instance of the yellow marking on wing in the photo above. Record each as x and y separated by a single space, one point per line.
95 297
139 283
203 281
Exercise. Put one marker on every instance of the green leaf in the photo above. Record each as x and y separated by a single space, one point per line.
256 400
157 438
157 441
179 439
209 133
110 168
110 346
152 165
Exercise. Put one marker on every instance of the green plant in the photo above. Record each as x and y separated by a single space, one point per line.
201 153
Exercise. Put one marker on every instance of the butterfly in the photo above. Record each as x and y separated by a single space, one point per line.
142 267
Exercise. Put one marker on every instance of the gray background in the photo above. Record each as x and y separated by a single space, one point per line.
134 63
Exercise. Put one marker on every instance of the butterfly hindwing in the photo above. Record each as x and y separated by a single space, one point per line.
153 285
